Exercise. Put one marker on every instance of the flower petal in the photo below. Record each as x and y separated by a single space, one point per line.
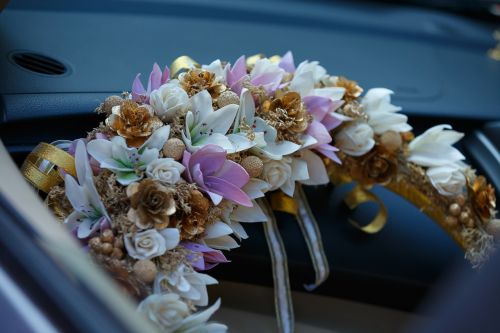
172 237
287 63
157 139
316 169
234 173
249 214
228 190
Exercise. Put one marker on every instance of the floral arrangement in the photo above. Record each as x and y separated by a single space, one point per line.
166 182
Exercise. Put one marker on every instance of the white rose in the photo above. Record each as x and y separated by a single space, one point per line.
165 170
151 243
171 315
276 173
168 100
449 180
166 310
355 139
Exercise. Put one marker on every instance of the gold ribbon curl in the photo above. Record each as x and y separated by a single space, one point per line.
41 166
359 195
182 64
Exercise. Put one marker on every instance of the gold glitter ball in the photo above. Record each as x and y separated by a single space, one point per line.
174 148
145 270
451 221
391 141
110 102
253 165
226 98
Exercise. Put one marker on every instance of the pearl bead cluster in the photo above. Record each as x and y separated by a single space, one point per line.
107 244
458 213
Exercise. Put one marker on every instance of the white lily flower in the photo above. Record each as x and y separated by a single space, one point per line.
217 236
382 116
172 315
186 283
234 215
434 147
128 163
216 68
206 126
89 211
265 135
307 75
265 69
315 168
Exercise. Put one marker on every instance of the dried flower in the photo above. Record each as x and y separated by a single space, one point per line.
378 166
151 204
133 122
197 80
352 90
193 224
287 115
483 197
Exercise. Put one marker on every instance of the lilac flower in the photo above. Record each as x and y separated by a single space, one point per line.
207 257
94 164
265 74
217 176
156 79
324 120
89 213
287 62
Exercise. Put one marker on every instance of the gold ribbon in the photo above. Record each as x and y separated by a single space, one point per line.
356 197
251 60
359 195
281 202
41 166
182 64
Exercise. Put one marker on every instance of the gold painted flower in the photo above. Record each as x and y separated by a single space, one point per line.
197 80
133 122
483 197
376 167
352 90
194 224
287 114
151 204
